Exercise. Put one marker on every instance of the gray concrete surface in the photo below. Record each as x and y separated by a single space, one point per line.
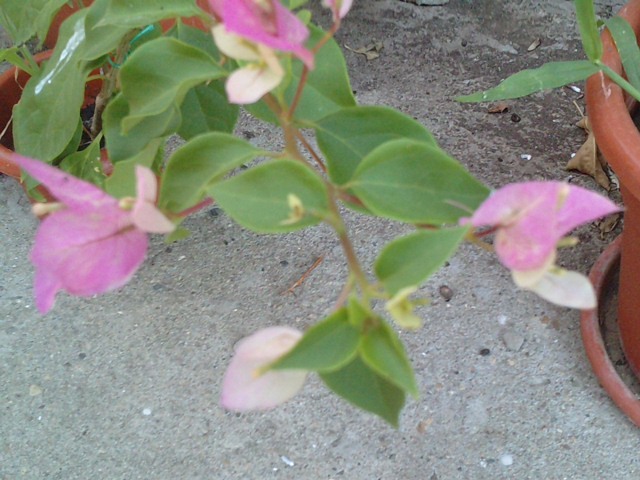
125 386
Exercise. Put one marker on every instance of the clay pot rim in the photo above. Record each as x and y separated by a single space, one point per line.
6 166
608 109
593 341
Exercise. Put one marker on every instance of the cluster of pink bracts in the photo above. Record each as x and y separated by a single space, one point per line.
90 242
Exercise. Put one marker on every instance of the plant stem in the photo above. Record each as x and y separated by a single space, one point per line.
337 222
305 70
310 149
474 238
204 203
109 82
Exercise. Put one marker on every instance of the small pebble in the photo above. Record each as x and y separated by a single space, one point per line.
146 411
525 156
446 292
35 390
484 352
512 340
537 381
506 460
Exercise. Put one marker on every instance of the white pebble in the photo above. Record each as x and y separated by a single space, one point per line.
506 460
525 156
287 461
146 411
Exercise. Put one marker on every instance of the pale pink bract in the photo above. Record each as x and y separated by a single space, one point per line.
530 220
266 22
247 386
340 8
532 217
89 245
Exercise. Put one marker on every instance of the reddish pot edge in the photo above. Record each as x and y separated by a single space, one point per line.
67 10
604 97
12 82
619 140
54 28
595 348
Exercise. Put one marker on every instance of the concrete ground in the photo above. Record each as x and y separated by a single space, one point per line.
126 386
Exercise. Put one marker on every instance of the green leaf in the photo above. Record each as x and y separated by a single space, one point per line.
328 345
137 13
46 118
259 198
99 40
360 385
195 166
627 46
14 55
206 109
327 89
86 164
358 313
122 182
123 146
347 136
383 352
198 39
180 233
416 182
25 19
160 73
550 75
293 4
588 24
73 145
410 260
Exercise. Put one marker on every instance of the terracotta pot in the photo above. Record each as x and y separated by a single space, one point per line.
619 140
65 12
12 83
601 276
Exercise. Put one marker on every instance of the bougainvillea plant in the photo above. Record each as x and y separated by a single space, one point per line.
267 56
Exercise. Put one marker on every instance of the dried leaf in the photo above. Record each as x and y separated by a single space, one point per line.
371 50
608 224
500 107
535 44
588 160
